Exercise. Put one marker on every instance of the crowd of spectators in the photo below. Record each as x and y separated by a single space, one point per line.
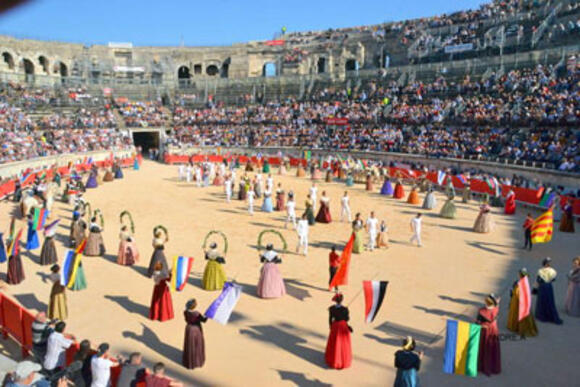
142 114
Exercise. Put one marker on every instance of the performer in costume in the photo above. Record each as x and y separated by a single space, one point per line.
572 304
242 188
407 363
309 212
383 237
527 326
158 255
279 198
92 180
266 167
300 172
95 245
357 226
484 222
323 215
271 284
128 253
118 171
258 185
313 190
57 307
15 274
267 202
369 182
510 203
290 210
194 343
32 242
430 200
48 254
466 194
449 189
448 210
161 303
567 222
333 263
489 361
387 188
413 197
349 179
78 230
372 227
545 304
399 192
328 177
528 224
302 230
345 208
214 275
228 187
338 354
250 197
108 176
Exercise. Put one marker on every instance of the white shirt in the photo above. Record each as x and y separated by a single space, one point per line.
269 255
270 182
290 207
101 371
55 350
251 196
228 184
372 224
302 227
313 191
416 225
344 201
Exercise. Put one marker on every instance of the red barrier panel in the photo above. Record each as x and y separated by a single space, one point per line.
12 321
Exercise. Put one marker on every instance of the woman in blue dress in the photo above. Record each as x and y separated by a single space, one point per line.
32 242
387 188
545 304
267 205
407 363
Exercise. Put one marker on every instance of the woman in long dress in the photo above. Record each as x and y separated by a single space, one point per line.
510 203
15 274
349 179
193 343
387 188
357 226
573 294
258 187
267 205
567 222
407 363
158 255
527 326
161 303
309 212
448 210
484 222
369 182
57 308
383 236
399 191
92 180
128 253
338 354
279 198
413 197
466 194
108 176
271 284
242 189
95 245
118 171
80 282
78 230
32 242
214 275
489 361
430 200
48 254
545 303
323 215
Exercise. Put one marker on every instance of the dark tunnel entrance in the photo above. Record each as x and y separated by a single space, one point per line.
146 140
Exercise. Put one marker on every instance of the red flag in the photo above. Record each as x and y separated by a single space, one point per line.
525 298
341 276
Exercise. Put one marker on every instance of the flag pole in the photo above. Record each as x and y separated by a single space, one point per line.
360 292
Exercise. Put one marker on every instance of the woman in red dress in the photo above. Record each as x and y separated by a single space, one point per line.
489 349
338 349
279 198
510 203
323 215
161 303
399 191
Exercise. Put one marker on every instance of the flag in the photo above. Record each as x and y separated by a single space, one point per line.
525 298
49 227
441 177
461 348
14 244
40 215
180 272
462 179
3 256
374 294
341 275
543 227
221 309
548 199
307 155
492 183
70 265
540 192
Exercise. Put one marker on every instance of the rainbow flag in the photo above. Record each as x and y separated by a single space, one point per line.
3 256
543 227
71 264
461 348
462 179
40 215
180 272
548 199
14 244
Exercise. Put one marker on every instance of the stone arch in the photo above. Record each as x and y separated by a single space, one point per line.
27 66
351 65
321 65
270 69
63 69
44 64
212 70
8 59
183 73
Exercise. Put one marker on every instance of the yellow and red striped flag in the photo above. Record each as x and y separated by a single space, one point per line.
543 227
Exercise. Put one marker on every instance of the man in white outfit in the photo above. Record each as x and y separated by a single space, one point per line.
270 182
228 186
345 208
313 191
290 211
188 173
372 229
198 175
250 196
302 229
416 229
181 172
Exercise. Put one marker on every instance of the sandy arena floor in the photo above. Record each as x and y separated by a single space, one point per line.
282 342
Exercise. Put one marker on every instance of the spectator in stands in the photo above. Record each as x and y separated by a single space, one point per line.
26 374
41 330
83 377
132 371
101 364
57 344
158 378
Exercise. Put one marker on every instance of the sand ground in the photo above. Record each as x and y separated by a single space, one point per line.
282 342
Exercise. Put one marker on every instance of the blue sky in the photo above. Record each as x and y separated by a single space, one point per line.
200 23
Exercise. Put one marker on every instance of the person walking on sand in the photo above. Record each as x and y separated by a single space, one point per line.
345 208
416 229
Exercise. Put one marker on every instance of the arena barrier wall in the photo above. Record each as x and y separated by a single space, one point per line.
523 195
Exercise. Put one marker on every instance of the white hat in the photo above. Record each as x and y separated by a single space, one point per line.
25 368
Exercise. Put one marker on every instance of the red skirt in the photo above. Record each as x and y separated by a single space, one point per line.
338 349
161 303
323 215
279 202
510 207
399 192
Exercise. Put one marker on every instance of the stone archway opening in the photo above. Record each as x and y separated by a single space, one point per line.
321 65
8 60
43 62
269 70
183 76
351 65
212 70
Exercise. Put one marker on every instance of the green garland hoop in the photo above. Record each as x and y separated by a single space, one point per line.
162 228
271 231
127 213
212 232
101 220
89 212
